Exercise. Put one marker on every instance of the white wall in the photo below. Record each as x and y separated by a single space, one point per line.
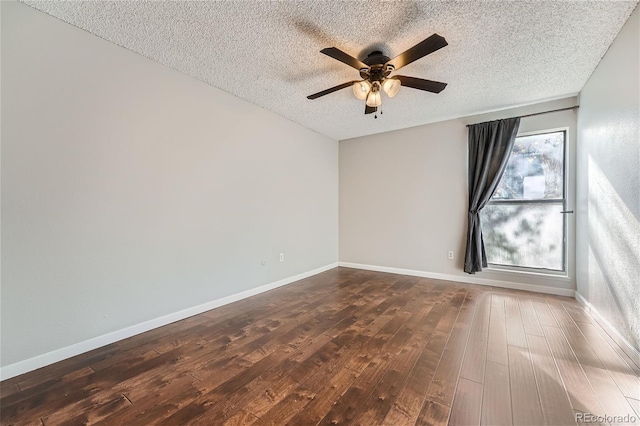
403 196
608 201
131 191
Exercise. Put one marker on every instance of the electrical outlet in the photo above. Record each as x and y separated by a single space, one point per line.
281 257
450 255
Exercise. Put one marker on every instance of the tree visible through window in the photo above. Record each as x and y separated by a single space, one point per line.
522 225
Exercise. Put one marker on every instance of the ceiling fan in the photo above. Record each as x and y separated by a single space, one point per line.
376 68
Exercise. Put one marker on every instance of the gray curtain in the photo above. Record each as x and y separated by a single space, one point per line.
490 145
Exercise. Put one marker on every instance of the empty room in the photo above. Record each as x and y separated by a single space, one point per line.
320 213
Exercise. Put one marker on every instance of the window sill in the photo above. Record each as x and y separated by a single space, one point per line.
560 276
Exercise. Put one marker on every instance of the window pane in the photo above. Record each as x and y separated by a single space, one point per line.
535 169
528 235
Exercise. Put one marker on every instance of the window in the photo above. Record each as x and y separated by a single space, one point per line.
523 224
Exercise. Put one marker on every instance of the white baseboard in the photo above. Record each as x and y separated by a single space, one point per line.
48 358
610 330
464 279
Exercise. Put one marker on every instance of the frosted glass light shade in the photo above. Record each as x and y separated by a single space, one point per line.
374 99
391 86
361 89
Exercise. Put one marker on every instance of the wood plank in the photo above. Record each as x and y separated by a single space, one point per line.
635 404
447 321
433 414
282 412
375 408
370 350
231 416
529 317
601 377
356 353
344 409
7 389
467 404
620 371
275 384
167 396
88 415
325 399
442 386
577 313
349 405
37 392
29 388
332 357
42 378
474 363
579 344
87 386
497 339
609 395
631 359
348 345
162 400
236 367
469 306
224 355
408 404
515 325
496 401
581 395
272 396
556 406
544 313
35 422
216 391
525 401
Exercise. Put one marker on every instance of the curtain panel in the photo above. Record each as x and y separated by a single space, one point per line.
490 145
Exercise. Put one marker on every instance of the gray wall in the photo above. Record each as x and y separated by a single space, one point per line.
608 222
403 195
131 191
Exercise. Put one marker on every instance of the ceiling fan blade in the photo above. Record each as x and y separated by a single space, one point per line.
331 90
370 110
421 84
338 54
418 51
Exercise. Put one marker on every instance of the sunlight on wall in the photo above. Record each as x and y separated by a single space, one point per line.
614 248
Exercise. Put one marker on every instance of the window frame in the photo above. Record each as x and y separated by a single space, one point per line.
564 272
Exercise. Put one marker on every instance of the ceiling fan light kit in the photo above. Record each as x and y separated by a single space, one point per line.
374 99
361 89
391 86
376 68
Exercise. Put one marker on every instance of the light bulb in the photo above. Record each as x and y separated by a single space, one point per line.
391 86
374 99
361 89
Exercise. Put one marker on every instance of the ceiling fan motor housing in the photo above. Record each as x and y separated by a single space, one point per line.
377 70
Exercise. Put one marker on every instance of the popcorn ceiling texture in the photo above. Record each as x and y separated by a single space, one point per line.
501 54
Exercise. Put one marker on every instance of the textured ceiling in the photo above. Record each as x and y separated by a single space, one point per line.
500 53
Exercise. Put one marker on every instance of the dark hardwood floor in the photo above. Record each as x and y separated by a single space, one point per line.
346 347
